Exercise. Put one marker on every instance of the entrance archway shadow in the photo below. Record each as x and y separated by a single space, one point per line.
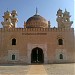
37 55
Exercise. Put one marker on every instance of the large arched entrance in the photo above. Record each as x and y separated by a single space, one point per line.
37 55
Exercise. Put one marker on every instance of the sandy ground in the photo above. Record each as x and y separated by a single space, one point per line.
48 69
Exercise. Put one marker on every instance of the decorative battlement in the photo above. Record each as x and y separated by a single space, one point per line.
35 29
37 22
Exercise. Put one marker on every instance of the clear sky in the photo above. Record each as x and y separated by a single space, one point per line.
46 8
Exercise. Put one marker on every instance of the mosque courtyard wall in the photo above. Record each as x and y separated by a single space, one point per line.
44 38
37 41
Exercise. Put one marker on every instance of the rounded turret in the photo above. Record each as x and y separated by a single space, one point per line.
7 20
59 13
14 12
66 13
14 19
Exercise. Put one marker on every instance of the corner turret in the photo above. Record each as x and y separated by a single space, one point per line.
7 20
63 19
59 13
59 18
66 19
14 19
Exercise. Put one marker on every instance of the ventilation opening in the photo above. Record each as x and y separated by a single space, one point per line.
13 57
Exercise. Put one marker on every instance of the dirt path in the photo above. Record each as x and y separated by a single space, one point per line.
37 70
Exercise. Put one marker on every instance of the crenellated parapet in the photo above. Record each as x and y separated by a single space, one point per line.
35 29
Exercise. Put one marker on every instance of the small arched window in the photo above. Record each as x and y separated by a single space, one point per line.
60 41
6 19
14 41
13 57
13 15
61 56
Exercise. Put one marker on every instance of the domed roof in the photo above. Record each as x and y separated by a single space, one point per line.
36 21
7 13
14 12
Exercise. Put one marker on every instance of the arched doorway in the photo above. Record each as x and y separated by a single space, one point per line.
37 55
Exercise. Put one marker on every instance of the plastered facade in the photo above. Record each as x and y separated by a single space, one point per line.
29 38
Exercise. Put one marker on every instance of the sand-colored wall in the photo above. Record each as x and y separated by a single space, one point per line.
47 36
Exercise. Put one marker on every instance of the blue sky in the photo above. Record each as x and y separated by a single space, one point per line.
46 8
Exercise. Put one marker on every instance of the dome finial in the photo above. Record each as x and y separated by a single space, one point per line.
7 10
65 10
36 11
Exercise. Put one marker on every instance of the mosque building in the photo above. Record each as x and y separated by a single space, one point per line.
37 41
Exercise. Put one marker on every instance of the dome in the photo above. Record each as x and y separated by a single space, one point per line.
7 13
36 21
14 12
